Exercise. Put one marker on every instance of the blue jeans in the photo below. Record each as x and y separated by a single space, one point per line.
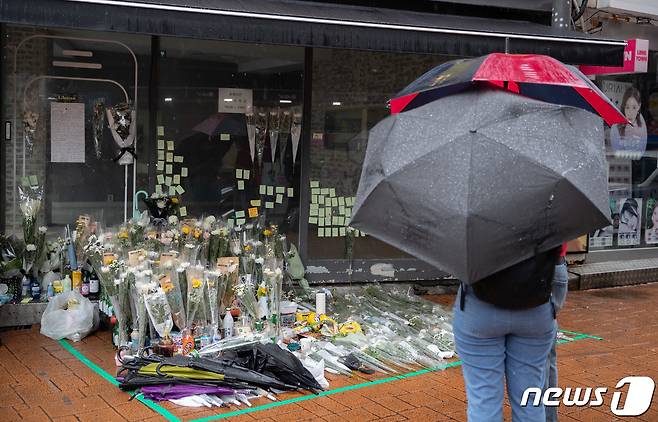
495 344
558 296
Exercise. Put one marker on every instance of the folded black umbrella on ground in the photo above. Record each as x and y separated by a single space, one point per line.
235 372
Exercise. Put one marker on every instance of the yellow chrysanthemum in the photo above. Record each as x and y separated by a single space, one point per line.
267 232
185 230
174 200
197 233
123 235
196 283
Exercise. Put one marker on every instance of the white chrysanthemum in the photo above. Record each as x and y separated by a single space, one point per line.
105 269
30 247
215 232
43 229
259 260
173 220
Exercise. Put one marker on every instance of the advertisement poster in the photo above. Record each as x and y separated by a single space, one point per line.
602 238
630 222
651 230
630 140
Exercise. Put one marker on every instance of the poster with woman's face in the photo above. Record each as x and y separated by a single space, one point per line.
603 237
651 230
629 140
630 221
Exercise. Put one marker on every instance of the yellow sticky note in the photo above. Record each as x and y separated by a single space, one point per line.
280 189
160 166
238 173
270 190
291 192
246 174
253 212
169 169
183 172
183 211
255 202
160 130
161 179
180 190
176 179
224 137
170 157
170 145
160 143
279 198
240 184
315 184
263 189
269 205
178 158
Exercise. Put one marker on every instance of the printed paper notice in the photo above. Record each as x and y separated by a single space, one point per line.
67 132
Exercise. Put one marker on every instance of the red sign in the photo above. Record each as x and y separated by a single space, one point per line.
636 60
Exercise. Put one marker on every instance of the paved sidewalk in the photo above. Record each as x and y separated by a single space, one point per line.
41 381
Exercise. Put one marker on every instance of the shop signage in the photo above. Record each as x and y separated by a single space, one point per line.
636 60
235 100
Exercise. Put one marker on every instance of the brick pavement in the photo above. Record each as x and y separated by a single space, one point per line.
41 381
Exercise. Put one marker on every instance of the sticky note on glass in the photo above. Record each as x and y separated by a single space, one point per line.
321 212
240 184
320 232
321 199
182 211
170 157
332 192
183 172
341 201
325 191
160 143
341 210
180 190
158 189
246 174
178 158
314 199
170 145
230 223
161 179
315 191
269 205
349 202
176 179
262 190
280 189
315 184
334 232
291 192
240 221
321 221
224 137
255 202
334 221
172 191
169 169
348 212
25 181
161 155
160 166
341 221
312 220
342 232
238 173
160 130
313 212
270 190
253 212
279 198
168 181
334 202
239 214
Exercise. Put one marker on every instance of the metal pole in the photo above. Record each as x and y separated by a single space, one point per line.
561 16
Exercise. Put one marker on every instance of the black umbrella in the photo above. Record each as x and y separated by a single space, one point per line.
270 359
478 181
237 373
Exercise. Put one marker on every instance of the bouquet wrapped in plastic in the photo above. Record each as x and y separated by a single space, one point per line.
195 295
170 284
159 311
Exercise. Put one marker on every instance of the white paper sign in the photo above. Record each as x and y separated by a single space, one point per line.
67 132
234 100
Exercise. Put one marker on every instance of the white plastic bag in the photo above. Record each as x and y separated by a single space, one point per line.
68 315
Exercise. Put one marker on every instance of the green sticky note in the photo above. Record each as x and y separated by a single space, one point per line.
334 232
313 212
320 232
167 180
270 190
239 214
224 137
161 155
170 145
341 221
349 202
341 201
341 210
334 202
183 172
230 223
169 169
324 191
160 166
240 222
280 189
34 180
342 232
315 184
332 192
180 190
178 158
312 220
161 179
263 189
172 191
182 211
314 199
279 198
314 207
291 192
176 179
321 212
170 157
321 199
255 202
158 189
160 143
238 173
25 181
246 174
315 191
269 205
160 130
348 212
240 184
334 221
321 222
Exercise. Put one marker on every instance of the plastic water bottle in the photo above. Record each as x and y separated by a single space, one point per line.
228 324
36 291
51 291
25 287
66 283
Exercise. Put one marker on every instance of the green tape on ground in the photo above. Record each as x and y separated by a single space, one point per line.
100 371
574 333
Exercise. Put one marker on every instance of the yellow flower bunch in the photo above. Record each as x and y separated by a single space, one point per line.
185 230
197 233
196 283
174 200
123 235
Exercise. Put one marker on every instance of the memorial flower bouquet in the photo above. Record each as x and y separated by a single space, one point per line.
159 311
195 295
170 285
30 120
30 203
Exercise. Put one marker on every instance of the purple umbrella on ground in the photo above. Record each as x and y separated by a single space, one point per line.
169 391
